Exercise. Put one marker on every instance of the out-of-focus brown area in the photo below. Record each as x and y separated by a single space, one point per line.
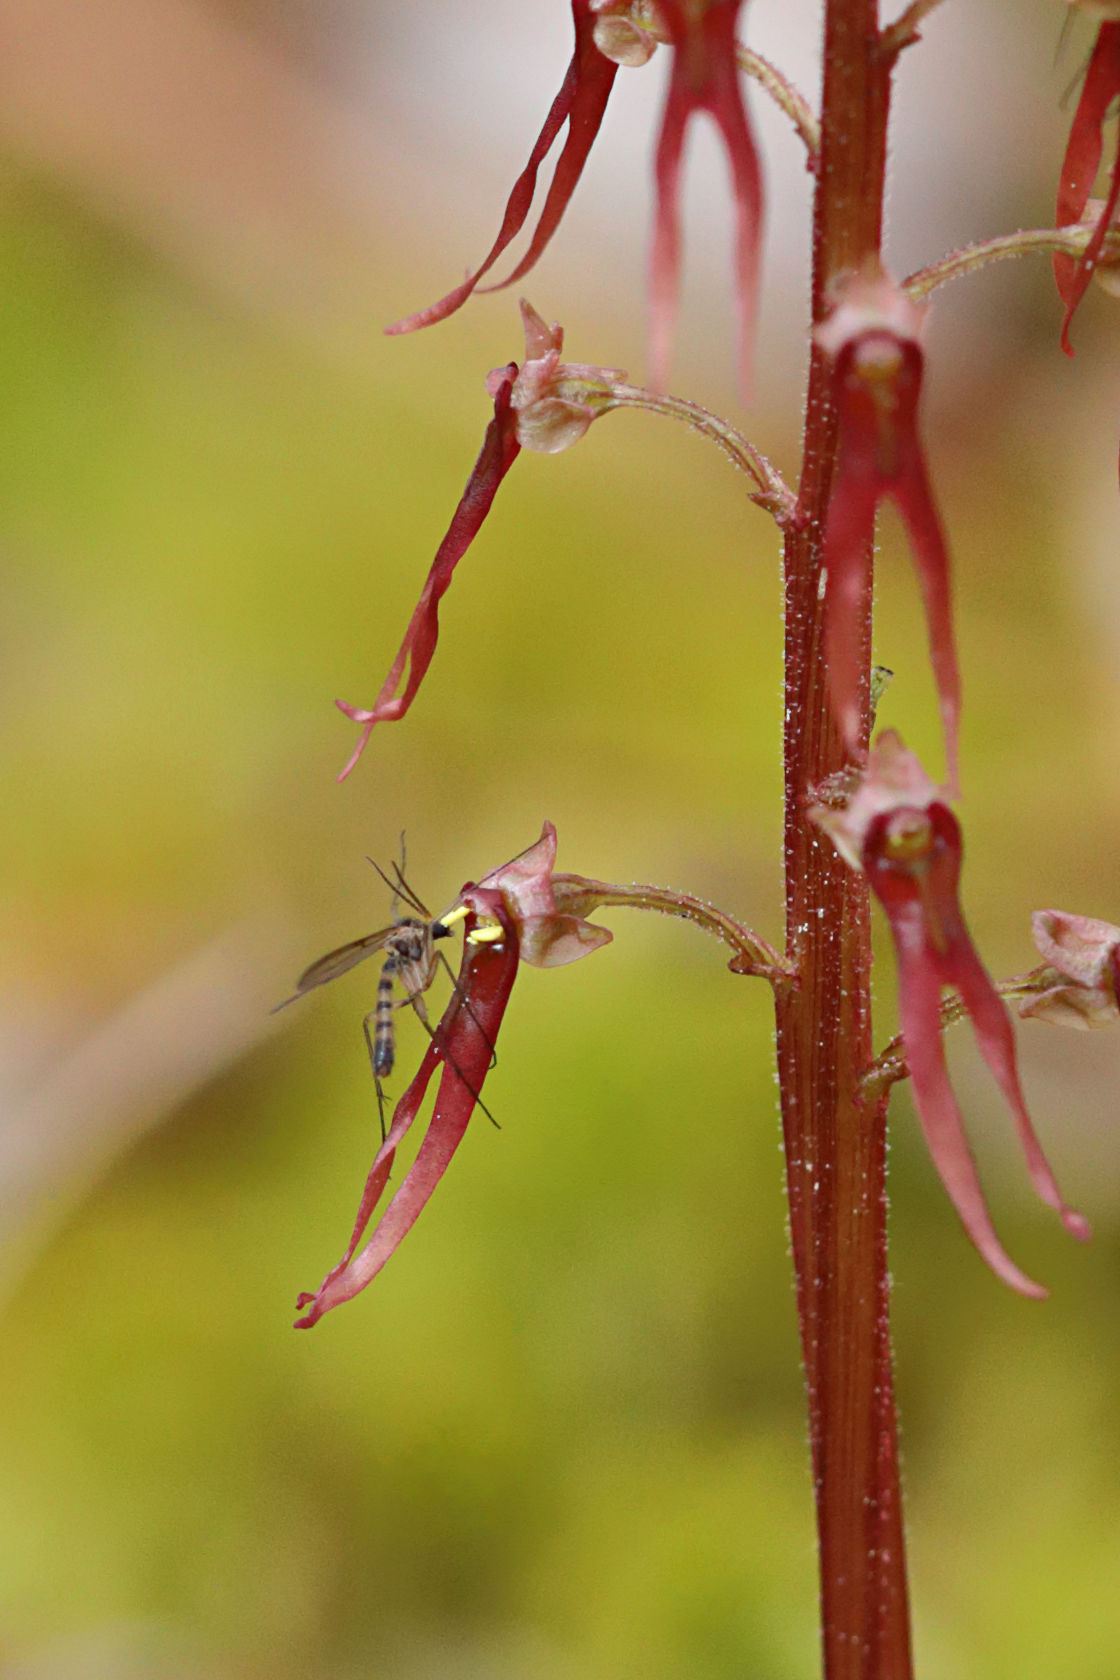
562 1436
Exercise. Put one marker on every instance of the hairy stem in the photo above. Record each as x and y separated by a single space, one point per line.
784 95
577 896
835 1134
773 493
1067 242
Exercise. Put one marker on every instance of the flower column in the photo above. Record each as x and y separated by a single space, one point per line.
835 1141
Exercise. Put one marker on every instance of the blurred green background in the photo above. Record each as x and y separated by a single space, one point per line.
562 1437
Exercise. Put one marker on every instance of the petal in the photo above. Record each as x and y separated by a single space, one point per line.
1081 1007
665 253
919 1001
1079 169
728 109
526 880
500 449
553 941
1078 946
464 1042
581 103
959 965
931 560
997 1046
595 76
548 939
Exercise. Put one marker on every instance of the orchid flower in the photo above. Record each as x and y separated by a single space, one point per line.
545 405
1083 972
704 77
510 916
872 338
1099 94
581 103
900 833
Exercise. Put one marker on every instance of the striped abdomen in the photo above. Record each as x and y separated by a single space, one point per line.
384 1036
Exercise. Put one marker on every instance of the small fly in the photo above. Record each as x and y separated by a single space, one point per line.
410 959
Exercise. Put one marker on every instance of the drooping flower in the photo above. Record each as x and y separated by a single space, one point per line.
1081 984
545 405
899 831
704 77
510 916
581 103
872 338
1099 94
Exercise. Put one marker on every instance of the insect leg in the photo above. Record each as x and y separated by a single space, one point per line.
371 1047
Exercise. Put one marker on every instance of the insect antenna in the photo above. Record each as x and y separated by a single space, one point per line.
408 894
401 889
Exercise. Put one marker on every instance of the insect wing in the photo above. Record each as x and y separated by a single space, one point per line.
340 961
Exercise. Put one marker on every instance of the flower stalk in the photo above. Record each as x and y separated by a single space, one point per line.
834 1131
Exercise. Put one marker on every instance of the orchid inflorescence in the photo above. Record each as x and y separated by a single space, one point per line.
887 818
865 823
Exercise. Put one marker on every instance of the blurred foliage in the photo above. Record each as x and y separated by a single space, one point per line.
563 1436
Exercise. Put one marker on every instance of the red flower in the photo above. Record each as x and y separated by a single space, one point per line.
1083 955
705 77
898 830
545 405
510 916
1099 94
872 338
581 104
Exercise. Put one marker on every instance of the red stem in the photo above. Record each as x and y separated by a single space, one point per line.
835 1135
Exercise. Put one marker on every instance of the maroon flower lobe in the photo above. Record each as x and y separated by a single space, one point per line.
1099 94
500 448
704 77
464 1044
872 338
544 405
908 843
581 103
509 916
